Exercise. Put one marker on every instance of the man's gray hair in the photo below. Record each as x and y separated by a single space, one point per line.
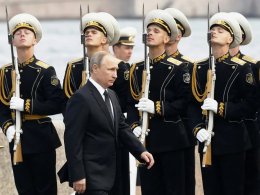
97 59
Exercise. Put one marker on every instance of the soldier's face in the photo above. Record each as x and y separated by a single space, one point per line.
156 36
24 38
220 36
106 73
94 38
123 52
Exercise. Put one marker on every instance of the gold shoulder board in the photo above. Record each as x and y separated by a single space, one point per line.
75 60
238 61
249 59
6 65
42 64
174 61
187 59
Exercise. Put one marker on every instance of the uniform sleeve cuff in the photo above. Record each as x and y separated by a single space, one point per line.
197 129
6 125
134 125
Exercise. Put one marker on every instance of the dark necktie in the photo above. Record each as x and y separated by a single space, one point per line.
107 101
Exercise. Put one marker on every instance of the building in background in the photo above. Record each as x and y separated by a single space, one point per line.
69 9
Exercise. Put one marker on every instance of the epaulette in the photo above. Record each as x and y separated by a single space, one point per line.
174 61
42 64
187 59
249 59
238 61
6 65
205 60
75 60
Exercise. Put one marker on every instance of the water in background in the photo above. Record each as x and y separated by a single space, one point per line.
61 42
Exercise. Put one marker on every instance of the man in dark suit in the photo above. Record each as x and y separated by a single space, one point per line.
94 129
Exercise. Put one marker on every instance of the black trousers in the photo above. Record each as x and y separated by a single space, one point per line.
252 175
225 176
166 177
36 175
190 180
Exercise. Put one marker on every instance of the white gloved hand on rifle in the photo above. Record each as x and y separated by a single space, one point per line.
210 104
10 133
137 131
145 105
17 103
203 135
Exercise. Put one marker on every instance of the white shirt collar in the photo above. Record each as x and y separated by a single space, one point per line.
100 89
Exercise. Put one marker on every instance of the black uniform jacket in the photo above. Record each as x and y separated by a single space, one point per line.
169 88
42 94
252 121
92 140
234 88
188 65
73 80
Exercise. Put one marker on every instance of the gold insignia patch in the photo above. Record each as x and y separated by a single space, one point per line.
186 78
249 78
54 80
126 75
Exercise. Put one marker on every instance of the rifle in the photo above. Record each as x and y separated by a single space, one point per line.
211 78
85 72
146 77
16 93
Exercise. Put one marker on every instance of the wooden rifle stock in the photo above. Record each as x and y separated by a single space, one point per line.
211 77
17 156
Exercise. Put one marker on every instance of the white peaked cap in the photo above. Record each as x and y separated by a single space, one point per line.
164 20
229 23
245 27
115 25
28 21
98 21
181 20
127 36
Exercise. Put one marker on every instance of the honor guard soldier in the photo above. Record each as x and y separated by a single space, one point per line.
232 100
40 95
252 166
167 98
100 29
184 30
123 49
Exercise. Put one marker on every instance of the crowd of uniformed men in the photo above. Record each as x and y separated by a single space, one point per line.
178 104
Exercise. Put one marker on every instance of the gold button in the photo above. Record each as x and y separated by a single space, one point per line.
38 70
169 67
73 66
21 70
151 67
136 68
233 67
198 67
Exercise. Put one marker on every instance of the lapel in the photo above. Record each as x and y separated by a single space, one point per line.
101 104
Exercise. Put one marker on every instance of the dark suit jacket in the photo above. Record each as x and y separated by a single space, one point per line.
92 140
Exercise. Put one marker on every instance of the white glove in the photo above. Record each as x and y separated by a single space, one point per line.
210 104
10 133
145 105
137 131
17 104
203 135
